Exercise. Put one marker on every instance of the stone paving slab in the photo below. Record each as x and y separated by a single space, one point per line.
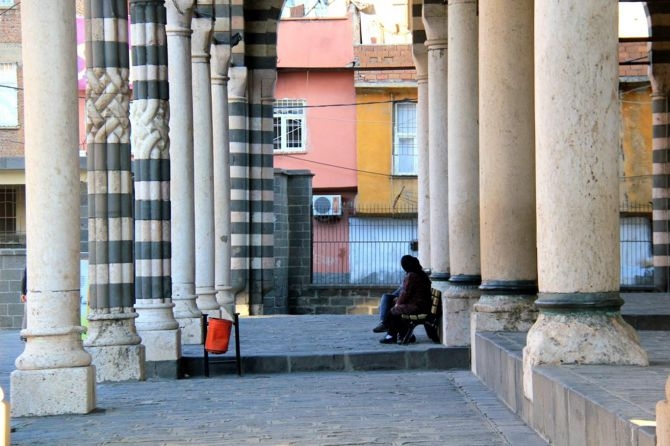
370 408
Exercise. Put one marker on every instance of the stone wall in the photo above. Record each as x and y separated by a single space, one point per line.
12 262
339 299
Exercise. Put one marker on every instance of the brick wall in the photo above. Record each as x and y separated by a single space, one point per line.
633 51
340 299
384 63
12 140
12 262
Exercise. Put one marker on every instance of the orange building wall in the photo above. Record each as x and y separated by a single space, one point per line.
376 186
636 147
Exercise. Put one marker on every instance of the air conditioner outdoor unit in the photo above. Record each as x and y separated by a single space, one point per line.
326 205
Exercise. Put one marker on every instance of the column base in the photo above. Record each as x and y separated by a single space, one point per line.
115 363
500 313
206 301
226 301
161 345
580 337
53 391
5 430
663 419
457 303
191 330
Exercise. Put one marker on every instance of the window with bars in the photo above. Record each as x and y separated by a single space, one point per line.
9 96
405 157
289 125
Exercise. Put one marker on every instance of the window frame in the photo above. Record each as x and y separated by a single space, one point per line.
400 134
9 95
287 112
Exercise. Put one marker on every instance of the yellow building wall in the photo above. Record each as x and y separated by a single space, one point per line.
635 153
377 188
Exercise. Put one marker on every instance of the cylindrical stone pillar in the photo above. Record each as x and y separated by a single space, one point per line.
54 351
576 122
463 147
222 184
112 338
149 115
507 169
239 183
178 32
435 21
420 55
203 171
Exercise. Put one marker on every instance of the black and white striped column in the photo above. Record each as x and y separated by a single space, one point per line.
112 339
150 113
659 75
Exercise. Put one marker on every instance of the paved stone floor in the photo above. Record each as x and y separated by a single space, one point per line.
390 407
405 407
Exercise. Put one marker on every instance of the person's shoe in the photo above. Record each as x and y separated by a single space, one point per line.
381 328
411 340
388 339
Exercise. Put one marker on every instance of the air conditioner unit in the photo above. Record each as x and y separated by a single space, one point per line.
326 205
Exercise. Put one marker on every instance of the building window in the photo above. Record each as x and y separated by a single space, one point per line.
405 157
9 104
12 216
289 125
6 3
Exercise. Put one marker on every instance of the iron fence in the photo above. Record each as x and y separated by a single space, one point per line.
364 246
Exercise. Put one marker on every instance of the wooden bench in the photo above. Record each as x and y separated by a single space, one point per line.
431 321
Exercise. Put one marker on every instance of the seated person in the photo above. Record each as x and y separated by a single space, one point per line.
414 298
385 303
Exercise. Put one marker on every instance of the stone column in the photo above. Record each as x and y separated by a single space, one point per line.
576 124
239 191
112 338
658 16
421 63
54 374
261 175
222 184
149 115
435 21
178 32
203 178
663 419
507 169
463 146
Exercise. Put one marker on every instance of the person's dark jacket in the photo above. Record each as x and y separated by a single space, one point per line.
415 295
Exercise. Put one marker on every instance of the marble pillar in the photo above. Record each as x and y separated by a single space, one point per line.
576 125
53 374
435 21
203 172
112 338
239 192
222 185
149 115
507 169
178 30
463 147
420 55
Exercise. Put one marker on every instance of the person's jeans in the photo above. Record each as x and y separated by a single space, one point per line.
385 305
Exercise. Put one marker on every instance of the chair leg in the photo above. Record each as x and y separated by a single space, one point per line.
408 334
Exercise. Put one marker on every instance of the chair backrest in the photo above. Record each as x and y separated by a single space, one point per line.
436 297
